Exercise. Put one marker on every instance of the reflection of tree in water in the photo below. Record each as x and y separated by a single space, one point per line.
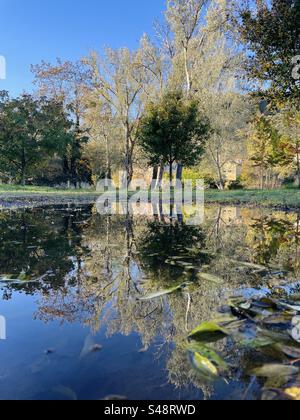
101 265
276 240
42 245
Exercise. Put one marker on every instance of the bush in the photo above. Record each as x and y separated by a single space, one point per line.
236 185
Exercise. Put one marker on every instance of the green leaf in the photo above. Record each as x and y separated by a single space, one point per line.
275 370
209 332
207 352
205 367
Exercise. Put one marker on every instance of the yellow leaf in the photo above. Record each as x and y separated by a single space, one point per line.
293 393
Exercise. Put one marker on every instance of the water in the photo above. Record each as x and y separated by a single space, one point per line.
70 289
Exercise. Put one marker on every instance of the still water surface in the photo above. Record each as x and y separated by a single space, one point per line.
71 283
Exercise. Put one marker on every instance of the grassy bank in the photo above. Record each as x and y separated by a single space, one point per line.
283 199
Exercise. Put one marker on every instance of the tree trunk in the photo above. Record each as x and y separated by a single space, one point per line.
171 173
108 164
187 73
23 168
179 173
155 174
161 172
128 156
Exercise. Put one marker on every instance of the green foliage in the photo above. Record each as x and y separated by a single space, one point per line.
30 130
173 130
273 35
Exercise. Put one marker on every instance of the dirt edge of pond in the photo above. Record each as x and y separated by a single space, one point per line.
18 201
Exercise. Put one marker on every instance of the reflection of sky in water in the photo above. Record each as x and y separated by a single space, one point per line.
67 275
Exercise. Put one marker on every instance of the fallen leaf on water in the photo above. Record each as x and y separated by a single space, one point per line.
208 331
89 347
207 352
163 292
294 393
204 367
275 370
211 278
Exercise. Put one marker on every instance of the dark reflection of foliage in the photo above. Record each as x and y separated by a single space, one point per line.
271 236
162 242
42 245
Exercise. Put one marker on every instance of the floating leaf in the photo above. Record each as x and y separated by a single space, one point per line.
277 319
292 352
293 308
89 347
293 393
164 292
295 334
211 278
256 343
275 370
250 265
204 366
208 353
208 331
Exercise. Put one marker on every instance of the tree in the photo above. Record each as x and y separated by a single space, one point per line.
272 33
217 70
173 130
184 18
29 130
68 83
287 121
265 146
103 149
120 78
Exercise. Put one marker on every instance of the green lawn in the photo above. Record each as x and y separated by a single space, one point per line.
267 198
283 198
20 190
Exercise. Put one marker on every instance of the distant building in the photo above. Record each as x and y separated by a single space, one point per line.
233 170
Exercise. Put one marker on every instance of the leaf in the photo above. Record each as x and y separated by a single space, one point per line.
211 278
293 308
293 393
161 293
275 370
277 319
203 365
208 331
257 343
292 352
250 265
295 334
208 353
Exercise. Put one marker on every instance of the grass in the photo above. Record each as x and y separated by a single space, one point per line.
21 190
289 198
281 198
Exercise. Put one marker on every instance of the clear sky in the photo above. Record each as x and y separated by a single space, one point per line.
36 30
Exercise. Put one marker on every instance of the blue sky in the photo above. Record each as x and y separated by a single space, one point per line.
35 30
